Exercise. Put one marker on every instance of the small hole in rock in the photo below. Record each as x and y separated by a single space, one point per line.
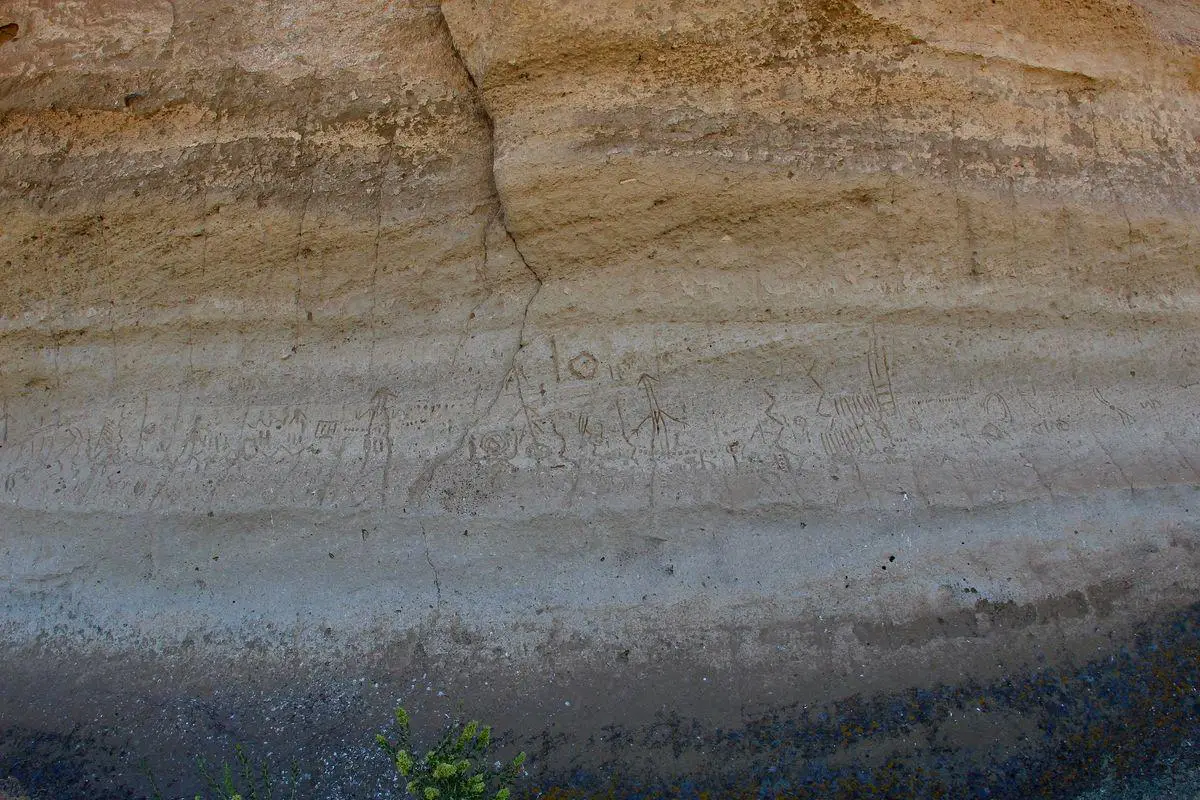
9 32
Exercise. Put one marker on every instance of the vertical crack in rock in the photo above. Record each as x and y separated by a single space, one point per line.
477 91
437 578
423 482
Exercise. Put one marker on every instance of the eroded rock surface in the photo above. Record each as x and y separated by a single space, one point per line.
686 362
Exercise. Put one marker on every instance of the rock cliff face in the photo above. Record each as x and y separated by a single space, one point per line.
697 364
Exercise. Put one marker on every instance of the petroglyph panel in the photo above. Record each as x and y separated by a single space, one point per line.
839 416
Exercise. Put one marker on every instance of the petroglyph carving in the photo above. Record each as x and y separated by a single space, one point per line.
996 407
105 446
654 415
945 401
848 440
810 373
592 430
857 406
584 366
996 414
493 445
992 431
1124 416
1052 425
378 437
542 441
881 377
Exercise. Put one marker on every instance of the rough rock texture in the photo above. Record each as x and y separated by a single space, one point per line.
647 376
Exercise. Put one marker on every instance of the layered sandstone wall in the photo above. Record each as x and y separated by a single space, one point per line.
541 331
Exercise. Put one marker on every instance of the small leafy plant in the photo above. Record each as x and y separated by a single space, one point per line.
454 769
245 780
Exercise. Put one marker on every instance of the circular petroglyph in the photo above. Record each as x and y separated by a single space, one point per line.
583 365
493 445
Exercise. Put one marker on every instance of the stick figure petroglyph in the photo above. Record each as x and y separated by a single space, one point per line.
655 414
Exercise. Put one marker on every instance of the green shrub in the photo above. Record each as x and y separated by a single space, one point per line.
456 768
245 780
